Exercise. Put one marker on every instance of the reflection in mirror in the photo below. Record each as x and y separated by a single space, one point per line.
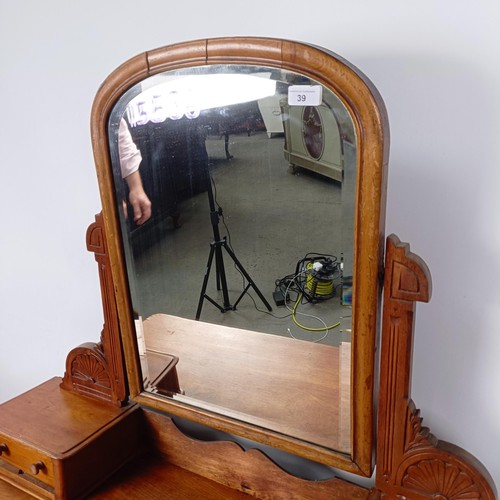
246 224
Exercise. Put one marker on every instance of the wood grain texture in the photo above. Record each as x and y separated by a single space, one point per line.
78 440
370 121
248 471
151 478
411 462
11 492
285 385
97 370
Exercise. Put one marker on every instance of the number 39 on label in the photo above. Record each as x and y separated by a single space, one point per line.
304 95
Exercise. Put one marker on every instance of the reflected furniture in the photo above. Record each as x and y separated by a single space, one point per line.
114 427
305 145
240 370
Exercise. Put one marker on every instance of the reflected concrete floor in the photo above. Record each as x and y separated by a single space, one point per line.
272 217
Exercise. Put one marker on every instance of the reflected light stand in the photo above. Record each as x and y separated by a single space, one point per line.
216 250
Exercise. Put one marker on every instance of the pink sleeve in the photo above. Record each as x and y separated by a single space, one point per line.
130 156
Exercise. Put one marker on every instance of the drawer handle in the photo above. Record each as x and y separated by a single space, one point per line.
4 448
37 467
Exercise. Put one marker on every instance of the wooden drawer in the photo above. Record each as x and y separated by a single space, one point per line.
27 459
64 444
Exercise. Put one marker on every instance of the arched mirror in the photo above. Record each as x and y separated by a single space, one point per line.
243 190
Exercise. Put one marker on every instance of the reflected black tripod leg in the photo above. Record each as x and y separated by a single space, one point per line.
203 294
221 276
215 249
251 283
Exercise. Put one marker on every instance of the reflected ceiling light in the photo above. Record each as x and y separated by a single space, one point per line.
188 96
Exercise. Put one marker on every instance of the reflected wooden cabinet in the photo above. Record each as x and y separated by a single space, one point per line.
104 431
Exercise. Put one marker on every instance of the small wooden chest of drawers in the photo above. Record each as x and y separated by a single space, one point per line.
56 444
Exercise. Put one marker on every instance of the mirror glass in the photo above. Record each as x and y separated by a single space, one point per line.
235 186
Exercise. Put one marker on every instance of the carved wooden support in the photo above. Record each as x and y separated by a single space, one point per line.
411 462
249 471
97 370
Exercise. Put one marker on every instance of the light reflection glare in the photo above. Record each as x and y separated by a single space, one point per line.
189 96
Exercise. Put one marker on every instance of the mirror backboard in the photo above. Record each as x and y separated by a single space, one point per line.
248 296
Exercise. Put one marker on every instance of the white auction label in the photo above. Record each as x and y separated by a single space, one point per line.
304 95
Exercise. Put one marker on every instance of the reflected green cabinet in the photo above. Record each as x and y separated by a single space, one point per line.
313 139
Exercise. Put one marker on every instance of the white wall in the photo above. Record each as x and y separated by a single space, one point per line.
435 63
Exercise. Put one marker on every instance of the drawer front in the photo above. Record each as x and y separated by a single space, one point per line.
29 460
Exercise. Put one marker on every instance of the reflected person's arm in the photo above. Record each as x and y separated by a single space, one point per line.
138 198
130 159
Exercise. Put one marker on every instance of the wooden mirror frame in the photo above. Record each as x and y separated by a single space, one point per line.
370 121
66 443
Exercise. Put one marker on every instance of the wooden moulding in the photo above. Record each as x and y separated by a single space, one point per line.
411 462
370 122
247 471
96 369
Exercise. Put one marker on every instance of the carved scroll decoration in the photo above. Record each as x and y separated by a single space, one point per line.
96 369
411 462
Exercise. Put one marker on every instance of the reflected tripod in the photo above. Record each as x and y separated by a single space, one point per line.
216 250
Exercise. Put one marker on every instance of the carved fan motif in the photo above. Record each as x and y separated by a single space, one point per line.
96 370
418 435
411 461
441 479
90 369
87 372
